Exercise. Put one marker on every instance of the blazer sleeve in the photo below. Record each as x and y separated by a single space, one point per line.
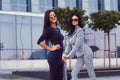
78 43
67 46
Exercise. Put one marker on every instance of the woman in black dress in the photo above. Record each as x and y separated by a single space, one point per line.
52 34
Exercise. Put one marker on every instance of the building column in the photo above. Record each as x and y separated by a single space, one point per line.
0 4
28 3
55 3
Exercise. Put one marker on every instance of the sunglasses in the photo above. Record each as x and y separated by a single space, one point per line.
52 16
74 20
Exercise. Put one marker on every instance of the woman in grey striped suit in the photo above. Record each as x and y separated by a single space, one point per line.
77 47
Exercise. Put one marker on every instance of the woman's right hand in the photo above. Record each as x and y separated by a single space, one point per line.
55 47
64 57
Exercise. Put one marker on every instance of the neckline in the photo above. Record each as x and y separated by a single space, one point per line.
76 29
53 27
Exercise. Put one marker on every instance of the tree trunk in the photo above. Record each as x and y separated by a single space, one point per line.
109 55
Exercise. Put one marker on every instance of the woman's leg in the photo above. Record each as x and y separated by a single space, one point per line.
88 58
60 72
56 66
77 67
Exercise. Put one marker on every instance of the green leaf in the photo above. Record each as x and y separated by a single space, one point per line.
64 13
104 21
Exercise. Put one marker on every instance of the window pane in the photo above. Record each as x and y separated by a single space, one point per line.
14 1
14 7
23 32
22 2
45 5
19 5
49 4
70 3
37 29
23 8
7 36
42 5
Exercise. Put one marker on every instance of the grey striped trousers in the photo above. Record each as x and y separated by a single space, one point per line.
86 59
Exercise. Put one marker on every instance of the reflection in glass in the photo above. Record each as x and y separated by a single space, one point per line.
45 5
19 35
19 5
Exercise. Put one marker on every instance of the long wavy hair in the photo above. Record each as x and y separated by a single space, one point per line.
71 26
47 23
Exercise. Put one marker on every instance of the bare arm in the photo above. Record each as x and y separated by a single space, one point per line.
53 48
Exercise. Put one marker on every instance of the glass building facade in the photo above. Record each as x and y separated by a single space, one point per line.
18 5
40 6
19 34
21 24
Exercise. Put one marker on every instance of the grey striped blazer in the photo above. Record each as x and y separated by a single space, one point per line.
75 44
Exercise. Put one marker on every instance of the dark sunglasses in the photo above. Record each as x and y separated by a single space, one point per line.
74 20
52 16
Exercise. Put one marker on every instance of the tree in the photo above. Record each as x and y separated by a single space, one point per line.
105 21
64 13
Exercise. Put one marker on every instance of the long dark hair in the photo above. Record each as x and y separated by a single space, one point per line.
47 23
72 28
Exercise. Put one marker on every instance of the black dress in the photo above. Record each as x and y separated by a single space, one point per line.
54 57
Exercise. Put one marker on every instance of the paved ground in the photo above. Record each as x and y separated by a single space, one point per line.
15 77
104 78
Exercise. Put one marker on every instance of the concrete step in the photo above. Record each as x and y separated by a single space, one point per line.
82 74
